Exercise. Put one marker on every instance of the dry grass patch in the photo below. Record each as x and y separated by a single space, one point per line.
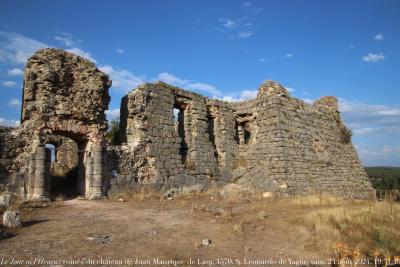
363 227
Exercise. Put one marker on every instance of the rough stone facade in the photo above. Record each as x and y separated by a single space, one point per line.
273 142
64 96
173 138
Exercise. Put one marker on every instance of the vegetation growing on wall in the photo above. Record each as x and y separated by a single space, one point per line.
345 135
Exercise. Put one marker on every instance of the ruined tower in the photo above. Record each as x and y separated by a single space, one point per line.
65 96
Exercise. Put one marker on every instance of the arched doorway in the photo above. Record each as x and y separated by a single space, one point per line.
66 168
66 164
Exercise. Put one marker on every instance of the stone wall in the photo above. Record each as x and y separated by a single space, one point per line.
65 93
64 96
174 138
274 142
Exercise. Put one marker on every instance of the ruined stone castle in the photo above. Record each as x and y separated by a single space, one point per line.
170 138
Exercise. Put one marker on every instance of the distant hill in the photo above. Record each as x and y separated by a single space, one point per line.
384 178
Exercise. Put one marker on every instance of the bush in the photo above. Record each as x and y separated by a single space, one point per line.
345 135
114 133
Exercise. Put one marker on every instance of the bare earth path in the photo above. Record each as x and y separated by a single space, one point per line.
140 231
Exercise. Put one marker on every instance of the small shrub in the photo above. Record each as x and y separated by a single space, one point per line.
345 135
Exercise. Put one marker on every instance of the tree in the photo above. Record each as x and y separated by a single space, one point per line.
114 133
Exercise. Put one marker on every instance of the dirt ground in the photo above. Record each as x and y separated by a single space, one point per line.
158 232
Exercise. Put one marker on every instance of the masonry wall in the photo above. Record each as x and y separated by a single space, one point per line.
273 142
149 120
174 138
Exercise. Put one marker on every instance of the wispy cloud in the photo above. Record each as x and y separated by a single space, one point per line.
244 34
373 58
238 96
66 39
263 60
84 54
9 84
369 119
9 123
379 37
113 114
288 55
228 23
239 27
16 49
188 84
259 10
14 102
381 155
123 80
120 51
352 46
15 72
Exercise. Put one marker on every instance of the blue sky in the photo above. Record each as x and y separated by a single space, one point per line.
225 49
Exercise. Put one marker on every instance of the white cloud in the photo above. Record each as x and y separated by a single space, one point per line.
228 23
113 114
304 92
122 79
244 34
120 51
15 72
16 48
14 102
368 119
288 56
308 101
246 4
66 39
291 90
196 86
248 94
188 84
8 84
258 11
352 46
239 96
373 57
171 79
389 149
378 37
263 60
9 123
386 155
80 52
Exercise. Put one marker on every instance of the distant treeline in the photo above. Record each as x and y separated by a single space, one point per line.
384 178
